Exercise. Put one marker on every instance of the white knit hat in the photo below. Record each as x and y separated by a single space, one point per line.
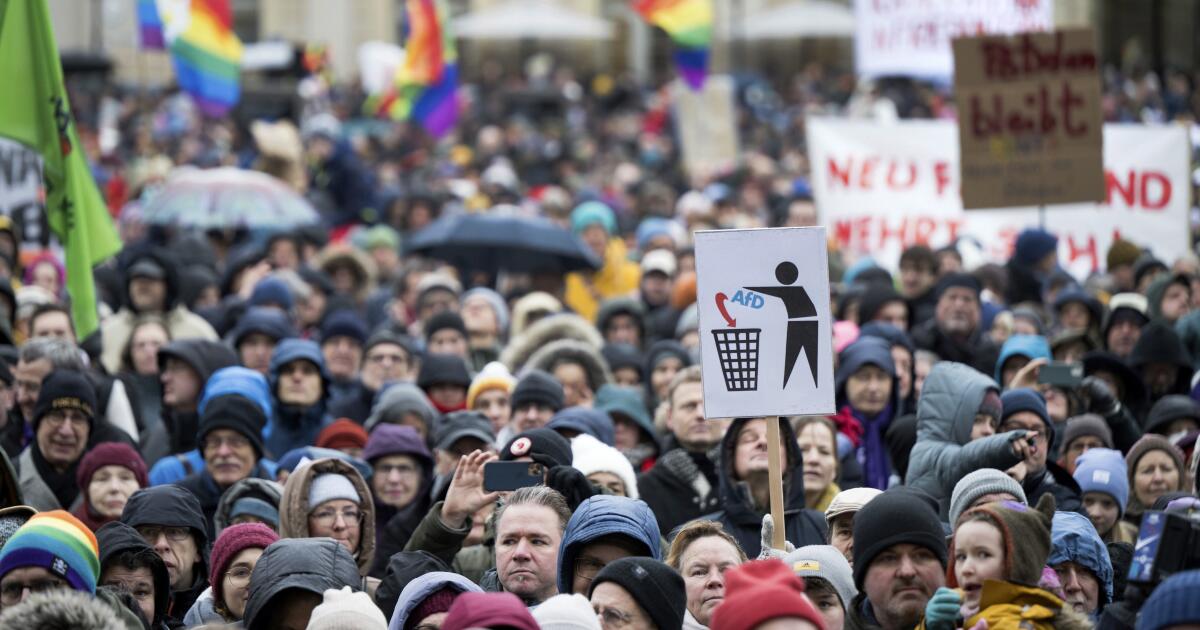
566 612
347 610
330 486
589 455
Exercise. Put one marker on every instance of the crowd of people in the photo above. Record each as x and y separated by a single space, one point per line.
290 429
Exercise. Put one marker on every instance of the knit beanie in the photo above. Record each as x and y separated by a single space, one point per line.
346 609
495 300
589 455
898 516
57 542
566 612
962 280
544 446
344 323
537 386
271 291
236 413
1087 424
436 602
1103 470
1026 399
258 508
1034 244
1154 442
11 519
849 502
1169 409
656 587
759 591
331 486
494 375
443 369
111 454
991 405
1173 603
232 541
462 424
395 439
65 389
445 320
1025 534
591 212
1121 252
980 483
342 433
827 563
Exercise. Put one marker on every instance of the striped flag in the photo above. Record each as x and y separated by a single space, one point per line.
689 23
426 85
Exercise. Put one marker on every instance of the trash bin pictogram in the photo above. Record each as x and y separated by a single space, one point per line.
737 349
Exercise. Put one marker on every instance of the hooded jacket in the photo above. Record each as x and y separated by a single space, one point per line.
743 520
294 508
1028 346
177 431
310 564
602 515
415 593
172 506
1073 538
944 452
293 426
977 350
677 488
876 466
544 331
1159 343
265 489
402 568
397 399
581 352
618 276
116 537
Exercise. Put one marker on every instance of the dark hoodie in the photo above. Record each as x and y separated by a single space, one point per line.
177 432
743 520
116 537
162 259
172 506
1159 343
294 426
309 564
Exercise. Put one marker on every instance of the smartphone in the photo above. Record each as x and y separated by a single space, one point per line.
1061 374
508 476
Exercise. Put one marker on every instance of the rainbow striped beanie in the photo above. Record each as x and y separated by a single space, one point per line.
59 543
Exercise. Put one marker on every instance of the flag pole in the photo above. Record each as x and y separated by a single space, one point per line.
775 472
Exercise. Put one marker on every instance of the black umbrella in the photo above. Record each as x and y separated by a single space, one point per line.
493 242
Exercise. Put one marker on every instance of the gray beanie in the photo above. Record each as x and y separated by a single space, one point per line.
827 563
979 483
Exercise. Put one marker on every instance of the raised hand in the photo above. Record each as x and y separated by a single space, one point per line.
466 495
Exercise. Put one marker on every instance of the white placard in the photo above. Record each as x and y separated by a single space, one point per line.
765 329
912 37
882 187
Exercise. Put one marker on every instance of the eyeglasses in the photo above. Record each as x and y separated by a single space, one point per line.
613 618
329 516
232 441
11 592
587 568
173 534
56 420
239 576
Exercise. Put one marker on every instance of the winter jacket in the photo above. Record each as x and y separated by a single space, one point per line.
35 492
204 611
1056 481
294 508
293 426
860 616
677 490
255 487
116 537
415 593
445 543
403 568
177 432
310 564
209 494
1158 343
743 520
1073 538
172 506
604 515
870 452
944 452
1011 606
545 331
354 402
978 351
619 276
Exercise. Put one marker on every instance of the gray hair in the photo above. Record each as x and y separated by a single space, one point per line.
536 495
61 354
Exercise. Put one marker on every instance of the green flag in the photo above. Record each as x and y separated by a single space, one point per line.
35 112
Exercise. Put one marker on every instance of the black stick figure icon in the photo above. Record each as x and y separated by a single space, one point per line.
801 315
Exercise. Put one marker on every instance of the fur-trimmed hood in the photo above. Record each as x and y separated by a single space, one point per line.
61 608
549 355
554 328
264 489
294 508
360 263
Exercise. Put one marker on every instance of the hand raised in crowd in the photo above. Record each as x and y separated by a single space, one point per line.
466 495
768 539
1028 375
1023 443
942 611
1099 397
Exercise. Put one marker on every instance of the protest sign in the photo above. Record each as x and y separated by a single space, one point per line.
764 322
912 37
21 190
880 188
707 126
1029 119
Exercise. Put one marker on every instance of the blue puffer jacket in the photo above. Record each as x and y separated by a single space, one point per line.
1028 346
292 426
944 452
602 515
1073 538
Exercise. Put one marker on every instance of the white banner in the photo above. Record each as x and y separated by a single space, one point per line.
882 187
912 37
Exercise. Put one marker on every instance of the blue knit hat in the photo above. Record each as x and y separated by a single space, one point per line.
1034 244
269 291
589 212
59 543
1173 603
1025 399
1103 470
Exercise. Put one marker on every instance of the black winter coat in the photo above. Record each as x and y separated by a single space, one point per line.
173 506
676 490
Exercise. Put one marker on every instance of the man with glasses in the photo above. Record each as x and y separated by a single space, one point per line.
954 333
63 419
171 521
387 357
1025 409
604 528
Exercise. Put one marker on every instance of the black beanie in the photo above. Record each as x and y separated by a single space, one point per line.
964 280
656 587
442 321
898 516
544 446
65 389
873 301
443 369
539 387
236 413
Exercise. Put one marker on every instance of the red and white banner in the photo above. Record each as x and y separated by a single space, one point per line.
882 187
912 37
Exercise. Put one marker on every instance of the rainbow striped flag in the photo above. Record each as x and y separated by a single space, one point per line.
690 24
207 55
426 86
150 25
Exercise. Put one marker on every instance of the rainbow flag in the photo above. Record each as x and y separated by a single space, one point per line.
150 25
426 86
689 23
207 55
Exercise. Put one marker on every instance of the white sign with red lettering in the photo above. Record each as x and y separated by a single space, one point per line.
882 187
912 37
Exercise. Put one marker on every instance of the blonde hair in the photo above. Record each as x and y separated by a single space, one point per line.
694 531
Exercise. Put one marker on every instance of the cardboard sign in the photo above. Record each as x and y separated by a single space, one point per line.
1029 119
912 37
882 187
765 329
707 126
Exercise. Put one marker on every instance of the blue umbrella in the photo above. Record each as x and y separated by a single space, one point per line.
494 242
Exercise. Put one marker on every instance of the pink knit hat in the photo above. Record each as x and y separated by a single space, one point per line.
232 541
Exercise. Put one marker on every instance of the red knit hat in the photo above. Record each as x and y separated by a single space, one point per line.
343 433
760 591
232 541
101 455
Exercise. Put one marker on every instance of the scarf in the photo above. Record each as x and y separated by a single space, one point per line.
62 484
445 409
872 453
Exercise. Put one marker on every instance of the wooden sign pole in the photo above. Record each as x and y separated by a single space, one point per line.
775 469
